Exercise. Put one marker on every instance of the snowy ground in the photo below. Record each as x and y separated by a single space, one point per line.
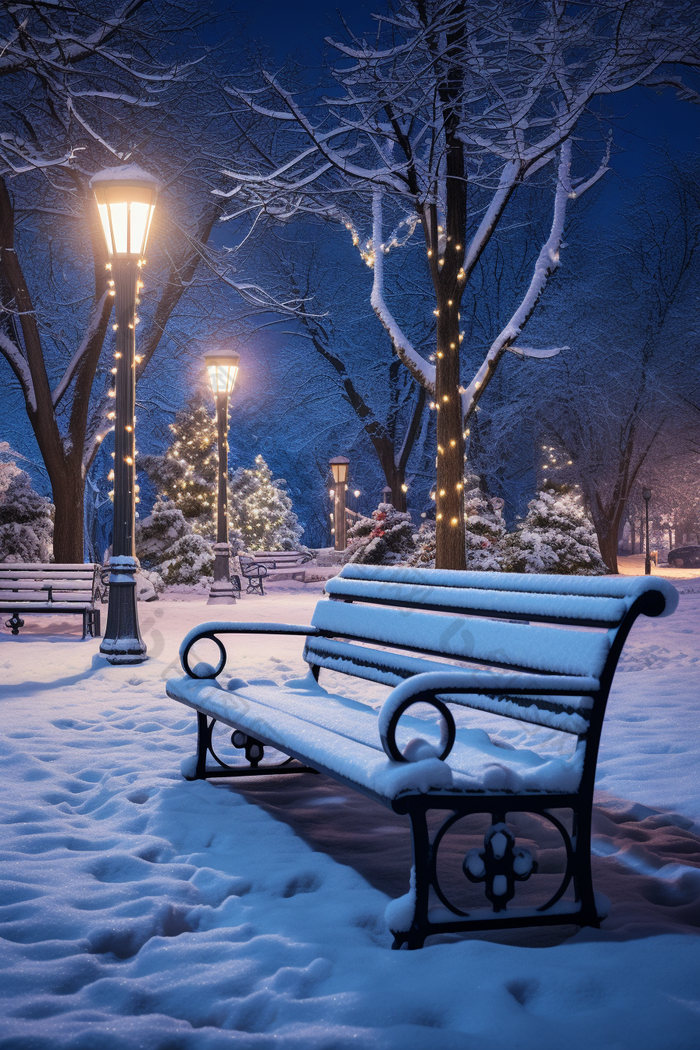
139 910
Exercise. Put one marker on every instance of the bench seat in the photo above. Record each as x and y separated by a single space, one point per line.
340 736
28 588
540 650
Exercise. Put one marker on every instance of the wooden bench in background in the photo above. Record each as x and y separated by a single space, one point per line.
31 588
541 650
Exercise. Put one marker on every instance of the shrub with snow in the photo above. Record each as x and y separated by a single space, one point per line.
384 539
555 537
423 556
485 528
166 543
26 525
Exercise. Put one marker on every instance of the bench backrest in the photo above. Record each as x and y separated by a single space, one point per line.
30 582
569 625
274 559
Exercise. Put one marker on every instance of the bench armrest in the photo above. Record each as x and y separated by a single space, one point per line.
210 630
426 688
249 566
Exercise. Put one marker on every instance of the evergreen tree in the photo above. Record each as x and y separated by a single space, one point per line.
555 537
188 472
26 520
260 511
167 544
384 539
484 526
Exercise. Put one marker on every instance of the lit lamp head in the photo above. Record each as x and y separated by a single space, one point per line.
126 198
339 465
222 368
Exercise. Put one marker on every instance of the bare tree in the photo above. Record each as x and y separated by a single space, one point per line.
436 123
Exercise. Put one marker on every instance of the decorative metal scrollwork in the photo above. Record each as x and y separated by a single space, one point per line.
389 720
202 669
254 750
499 865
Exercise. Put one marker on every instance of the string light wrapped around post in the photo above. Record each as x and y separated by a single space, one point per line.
126 199
222 369
339 466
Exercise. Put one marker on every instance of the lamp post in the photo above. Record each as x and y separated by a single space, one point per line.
646 496
386 494
222 368
339 465
125 199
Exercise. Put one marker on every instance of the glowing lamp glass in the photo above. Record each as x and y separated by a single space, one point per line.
222 369
126 199
339 465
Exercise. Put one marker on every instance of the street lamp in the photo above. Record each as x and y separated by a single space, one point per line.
222 368
646 496
386 494
125 198
339 465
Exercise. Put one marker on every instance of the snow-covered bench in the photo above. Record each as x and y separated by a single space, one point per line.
257 566
35 588
542 649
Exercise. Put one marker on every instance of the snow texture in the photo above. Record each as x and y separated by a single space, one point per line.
125 173
139 910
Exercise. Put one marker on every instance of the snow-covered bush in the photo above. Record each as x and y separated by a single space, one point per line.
166 543
484 526
26 526
260 512
384 539
555 537
423 556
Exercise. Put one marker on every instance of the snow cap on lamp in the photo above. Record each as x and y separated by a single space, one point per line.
126 198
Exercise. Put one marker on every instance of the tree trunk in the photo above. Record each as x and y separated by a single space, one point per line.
449 495
68 488
633 535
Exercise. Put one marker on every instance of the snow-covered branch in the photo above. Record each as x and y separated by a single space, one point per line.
19 366
419 368
91 331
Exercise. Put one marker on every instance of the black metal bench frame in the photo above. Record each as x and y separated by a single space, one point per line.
494 867
91 616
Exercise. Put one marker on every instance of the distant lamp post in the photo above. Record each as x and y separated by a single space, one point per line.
386 494
222 368
646 496
126 198
339 465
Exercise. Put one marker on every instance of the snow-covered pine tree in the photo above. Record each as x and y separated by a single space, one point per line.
260 511
384 539
167 544
484 526
26 520
555 537
187 473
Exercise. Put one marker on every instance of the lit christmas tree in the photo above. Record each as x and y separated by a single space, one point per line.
384 539
555 537
260 511
187 473
485 527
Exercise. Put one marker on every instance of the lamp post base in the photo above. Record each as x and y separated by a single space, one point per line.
222 590
122 642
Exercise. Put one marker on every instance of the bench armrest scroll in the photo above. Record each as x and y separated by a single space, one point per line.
424 688
212 629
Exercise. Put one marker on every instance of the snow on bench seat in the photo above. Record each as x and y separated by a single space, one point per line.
339 736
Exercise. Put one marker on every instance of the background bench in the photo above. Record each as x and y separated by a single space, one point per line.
257 566
539 649
31 588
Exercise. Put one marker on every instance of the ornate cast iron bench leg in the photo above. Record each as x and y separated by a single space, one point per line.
15 623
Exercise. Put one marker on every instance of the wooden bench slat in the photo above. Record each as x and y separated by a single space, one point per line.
536 648
577 610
